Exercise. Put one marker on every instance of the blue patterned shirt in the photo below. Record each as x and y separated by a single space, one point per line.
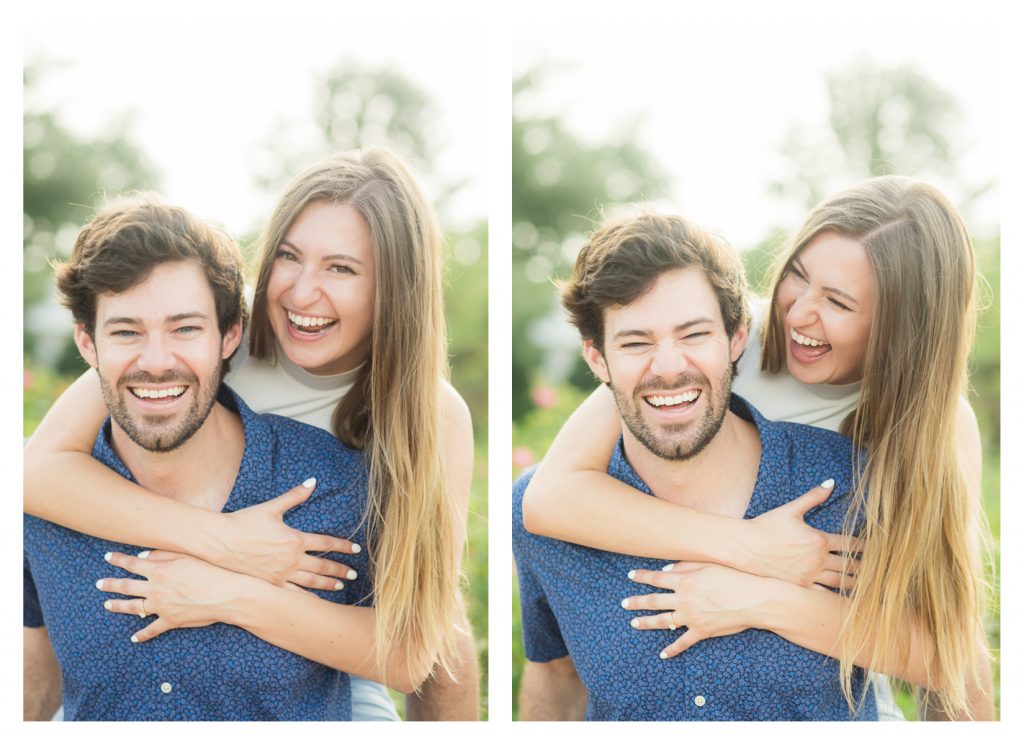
215 672
570 597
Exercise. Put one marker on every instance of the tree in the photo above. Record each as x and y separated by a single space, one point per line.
559 187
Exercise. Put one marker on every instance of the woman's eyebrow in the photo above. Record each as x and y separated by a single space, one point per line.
331 257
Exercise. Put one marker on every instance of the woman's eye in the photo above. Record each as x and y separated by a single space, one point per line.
342 269
838 304
796 273
287 255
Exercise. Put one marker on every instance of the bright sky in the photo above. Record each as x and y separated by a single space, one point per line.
207 81
717 87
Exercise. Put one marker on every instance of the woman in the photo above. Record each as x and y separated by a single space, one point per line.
348 293
873 317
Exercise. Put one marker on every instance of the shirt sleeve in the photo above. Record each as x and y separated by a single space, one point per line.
542 638
33 612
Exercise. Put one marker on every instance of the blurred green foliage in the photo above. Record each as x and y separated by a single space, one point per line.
881 121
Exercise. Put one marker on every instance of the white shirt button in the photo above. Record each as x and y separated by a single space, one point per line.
699 700
165 687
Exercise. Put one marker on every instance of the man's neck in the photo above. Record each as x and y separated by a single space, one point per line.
201 472
719 479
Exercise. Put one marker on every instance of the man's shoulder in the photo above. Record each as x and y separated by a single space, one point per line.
813 443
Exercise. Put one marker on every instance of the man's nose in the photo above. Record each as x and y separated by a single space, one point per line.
156 356
669 361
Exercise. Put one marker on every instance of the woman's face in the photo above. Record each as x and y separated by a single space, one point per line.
321 289
827 302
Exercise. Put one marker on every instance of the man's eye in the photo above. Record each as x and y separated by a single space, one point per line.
124 333
634 345
696 335
186 329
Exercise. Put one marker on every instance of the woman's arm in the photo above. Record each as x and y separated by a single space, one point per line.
66 485
186 592
713 600
572 481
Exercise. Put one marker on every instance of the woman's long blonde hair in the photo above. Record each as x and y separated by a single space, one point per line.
394 409
921 561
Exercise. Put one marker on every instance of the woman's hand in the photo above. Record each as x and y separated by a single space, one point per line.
708 599
181 590
257 542
781 545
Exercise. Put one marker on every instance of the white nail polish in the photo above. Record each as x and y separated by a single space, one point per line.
135 639
828 484
106 556
625 603
338 585
667 567
107 604
143 554
663 656
356 548
635 623
310 482
99 584
351 574
632 573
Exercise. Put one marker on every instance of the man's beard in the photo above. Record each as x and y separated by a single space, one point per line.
682 441
158 433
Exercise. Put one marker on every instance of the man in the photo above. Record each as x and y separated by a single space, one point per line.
661 308
157 296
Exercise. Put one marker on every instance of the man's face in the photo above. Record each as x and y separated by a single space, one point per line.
158 352
668 361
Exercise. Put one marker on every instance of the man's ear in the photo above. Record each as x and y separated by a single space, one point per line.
738 343
86 345
596 361
231 340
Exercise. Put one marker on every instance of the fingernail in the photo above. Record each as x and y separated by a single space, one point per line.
351 574
135 639
663 656
635 623
107 604
356 548
338 585
310 482
632 573
828 484
99 584
106 556
143 554
625 603
667 567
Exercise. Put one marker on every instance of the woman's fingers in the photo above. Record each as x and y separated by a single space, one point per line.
655 601
656 621
327 568
133 564
838 564
152 631
836 580
664 579
320 543
136 587
133 607
315 581
844 544
681 644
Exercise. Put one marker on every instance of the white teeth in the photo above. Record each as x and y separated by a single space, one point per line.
673 400
806 340
309 320
158 393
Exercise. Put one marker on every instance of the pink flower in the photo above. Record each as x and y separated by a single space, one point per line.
544 397
28 379
522 457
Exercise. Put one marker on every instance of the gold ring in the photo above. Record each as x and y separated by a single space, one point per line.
143 614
